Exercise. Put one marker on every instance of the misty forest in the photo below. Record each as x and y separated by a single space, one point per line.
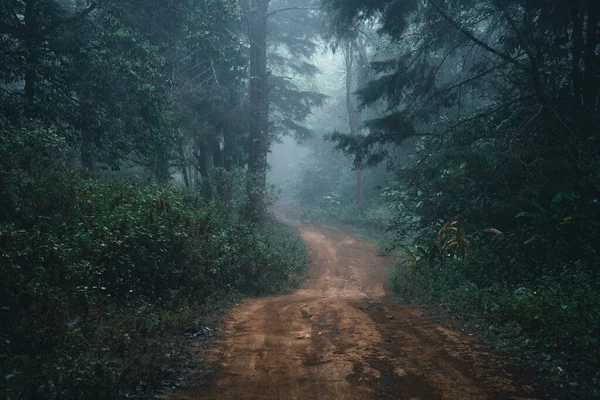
300 199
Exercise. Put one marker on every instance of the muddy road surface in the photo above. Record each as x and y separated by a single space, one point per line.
339 338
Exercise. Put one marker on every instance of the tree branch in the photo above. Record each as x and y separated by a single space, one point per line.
479 42
288 9
69 20
464 121
534 62
485 114
466 81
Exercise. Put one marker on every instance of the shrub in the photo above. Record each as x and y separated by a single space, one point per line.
550 321
375 216
99 277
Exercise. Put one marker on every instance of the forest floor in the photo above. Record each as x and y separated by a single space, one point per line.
339 337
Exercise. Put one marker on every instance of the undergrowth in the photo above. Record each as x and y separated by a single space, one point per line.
550 323
371 221
100 279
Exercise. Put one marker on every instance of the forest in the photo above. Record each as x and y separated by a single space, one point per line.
164 161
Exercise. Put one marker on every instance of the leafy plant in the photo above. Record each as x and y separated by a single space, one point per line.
99 278
452 240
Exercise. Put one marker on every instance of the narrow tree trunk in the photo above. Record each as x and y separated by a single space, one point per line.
202 155
577 22
186 178
258 145
591 73
360 187
31 58
353 112
228 149
363 70
196 176
184 163
162 169
221 184
88 162
217 153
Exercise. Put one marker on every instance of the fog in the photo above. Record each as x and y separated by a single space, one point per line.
444 153
287 153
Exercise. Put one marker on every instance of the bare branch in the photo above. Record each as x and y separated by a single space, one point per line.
212 64
288 9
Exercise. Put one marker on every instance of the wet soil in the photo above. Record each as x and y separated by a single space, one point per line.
339 338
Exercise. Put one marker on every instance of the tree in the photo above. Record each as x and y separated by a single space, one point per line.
85 70
208 95
259 106
356 63
492 97
265 88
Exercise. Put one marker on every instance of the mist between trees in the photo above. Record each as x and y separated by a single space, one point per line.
144 142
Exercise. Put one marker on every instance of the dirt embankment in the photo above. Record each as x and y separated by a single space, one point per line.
338 338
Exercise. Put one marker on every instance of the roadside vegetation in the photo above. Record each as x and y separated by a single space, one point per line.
135 141
324 184
134 205
477 149
102 276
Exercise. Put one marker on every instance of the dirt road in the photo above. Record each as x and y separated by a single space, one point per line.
338 338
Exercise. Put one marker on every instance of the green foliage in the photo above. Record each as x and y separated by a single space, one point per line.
292 41
501 191
377 217
326 178
321 179
101 270
532 277
550 323
98 278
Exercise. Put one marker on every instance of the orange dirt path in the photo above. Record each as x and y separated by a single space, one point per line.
339 338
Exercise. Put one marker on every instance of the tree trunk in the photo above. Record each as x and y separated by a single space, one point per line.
353 112
217 153
202 154
360 187
577 46
228 149
88 162
184 162
258 129
196 175
162 168
591 73
31 58
354 117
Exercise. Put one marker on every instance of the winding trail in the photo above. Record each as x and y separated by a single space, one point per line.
339 338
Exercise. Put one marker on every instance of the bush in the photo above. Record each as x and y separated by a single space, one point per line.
550 322
525 217
374 216
99 277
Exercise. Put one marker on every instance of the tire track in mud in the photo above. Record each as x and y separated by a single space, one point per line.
338 338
